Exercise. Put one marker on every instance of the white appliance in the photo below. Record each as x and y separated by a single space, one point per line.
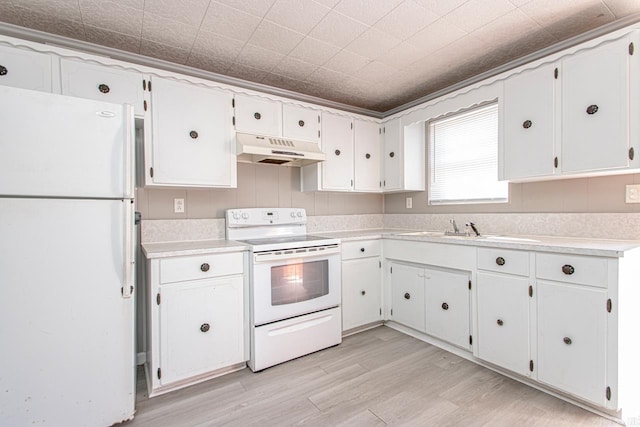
277 151
295 286
66 261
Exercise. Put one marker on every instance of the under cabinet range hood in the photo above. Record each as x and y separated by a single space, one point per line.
277 151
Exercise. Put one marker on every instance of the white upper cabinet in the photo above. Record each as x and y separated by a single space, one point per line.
367 156
595 107
403 156
102 83
300 123
337 144
25 69
392 156
258 115
191 141
529 115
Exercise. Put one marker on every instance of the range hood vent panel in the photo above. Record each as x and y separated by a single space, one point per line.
278 151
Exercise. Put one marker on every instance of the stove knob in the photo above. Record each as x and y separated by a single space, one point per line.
245 215
236 215
299 214
293 214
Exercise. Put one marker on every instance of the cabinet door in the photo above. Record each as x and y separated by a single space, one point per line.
201 327
447 306
25 69
300 123
503 321
392 156
595 112
192 136
572 341
337 144
407 296
258 115
529 111
361 303
367 156
102 83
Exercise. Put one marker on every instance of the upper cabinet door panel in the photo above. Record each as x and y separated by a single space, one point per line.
595 114
337 144
392 156
102 83
528 141
300 123
25 69
192 135
367 156
258 115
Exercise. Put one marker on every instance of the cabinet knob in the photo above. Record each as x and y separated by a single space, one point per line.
567 340
445 306
337 152
205 327
3 70
103 88
257 116
204 267
193 134
392 154
500 261
368 156
301 123
592 109
527 124
568 269
361 249
500 322
407 295
363 292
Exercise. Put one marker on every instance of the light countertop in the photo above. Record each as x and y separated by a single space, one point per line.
193 247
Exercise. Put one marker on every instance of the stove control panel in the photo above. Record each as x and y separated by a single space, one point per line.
265 216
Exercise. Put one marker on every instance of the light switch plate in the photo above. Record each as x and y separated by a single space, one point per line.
409 202
632 194
178 205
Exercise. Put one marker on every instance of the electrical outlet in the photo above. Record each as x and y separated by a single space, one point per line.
178 205
409 202
632 194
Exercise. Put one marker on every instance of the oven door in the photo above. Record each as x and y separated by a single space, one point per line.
285 286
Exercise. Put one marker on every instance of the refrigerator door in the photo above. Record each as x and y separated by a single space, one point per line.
54 145
66 331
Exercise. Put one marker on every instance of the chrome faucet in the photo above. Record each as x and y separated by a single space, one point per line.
474 228
455 226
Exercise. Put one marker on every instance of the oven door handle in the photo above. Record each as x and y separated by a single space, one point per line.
305 324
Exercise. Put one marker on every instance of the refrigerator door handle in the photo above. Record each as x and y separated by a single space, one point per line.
129 249
130 138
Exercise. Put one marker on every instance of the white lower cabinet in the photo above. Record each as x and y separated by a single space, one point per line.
197 320
447 306
407 296
361 292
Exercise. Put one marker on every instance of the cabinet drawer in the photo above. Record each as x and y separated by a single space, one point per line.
584 270
200 267
504 261
361 249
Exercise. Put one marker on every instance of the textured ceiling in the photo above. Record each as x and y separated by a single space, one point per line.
373 54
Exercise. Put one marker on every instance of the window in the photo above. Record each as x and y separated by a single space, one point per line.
463 158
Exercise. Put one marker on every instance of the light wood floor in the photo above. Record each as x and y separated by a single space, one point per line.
375 378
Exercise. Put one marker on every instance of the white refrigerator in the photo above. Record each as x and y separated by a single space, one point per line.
66 261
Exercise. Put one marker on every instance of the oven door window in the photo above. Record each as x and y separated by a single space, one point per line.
299 282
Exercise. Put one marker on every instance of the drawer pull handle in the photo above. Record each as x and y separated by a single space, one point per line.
257 116
527 124
445 306
361 249
3 70
193 134
592 109
568 269
204 267
103 88
363 292
301 123
500 322
407 295
500 260
567 340
205 327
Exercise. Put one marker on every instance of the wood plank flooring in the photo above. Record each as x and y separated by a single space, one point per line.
376 378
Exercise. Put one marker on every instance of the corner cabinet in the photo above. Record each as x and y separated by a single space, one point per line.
403 157
189 139
361 284
197 325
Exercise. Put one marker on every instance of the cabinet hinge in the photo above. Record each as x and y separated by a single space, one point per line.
609 305
384 130
379 131
318 118
632 153
555 162
379 264
470 340
555 73
352 125
233 120
159 373
380 311
631 48
149 85
380 184
391 270
392 311
531 291
233 103
144 84
531 365
144 104
158 298
151 172
384 182
608 393
469 284
318 134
